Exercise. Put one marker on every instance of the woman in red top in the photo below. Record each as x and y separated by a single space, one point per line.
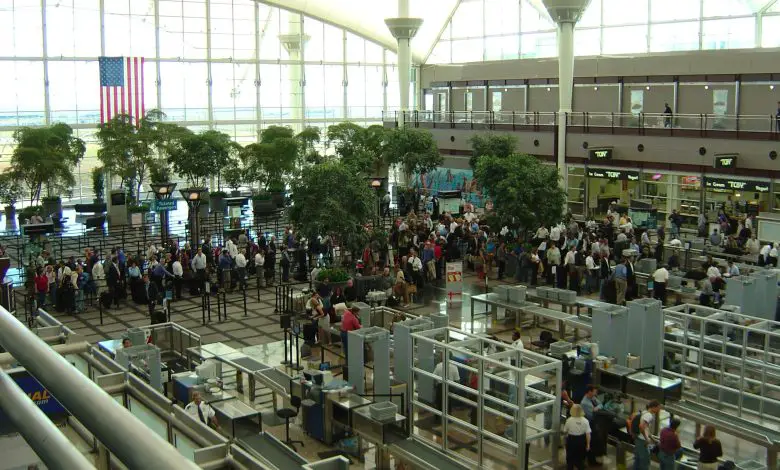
41 287
349 322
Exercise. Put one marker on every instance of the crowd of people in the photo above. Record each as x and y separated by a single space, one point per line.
71 285
666 445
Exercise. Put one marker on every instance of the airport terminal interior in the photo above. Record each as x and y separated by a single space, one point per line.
403 234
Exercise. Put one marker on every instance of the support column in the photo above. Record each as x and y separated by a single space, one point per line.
403 30
565 91
294 42
566 14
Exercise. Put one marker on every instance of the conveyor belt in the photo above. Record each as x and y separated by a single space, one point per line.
760 435
273 451
425 456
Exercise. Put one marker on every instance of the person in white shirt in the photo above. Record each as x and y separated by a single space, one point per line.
645 238
645 437
178 273
577 431
772 260
752 245
99 278
453 375
231 248
733 269
749 223
676 243
713 272
241 269
542 233
571 256
555 234
415 261
201 411
592 273
660 279
764 254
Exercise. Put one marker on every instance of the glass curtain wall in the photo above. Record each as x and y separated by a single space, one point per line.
210 64
486 30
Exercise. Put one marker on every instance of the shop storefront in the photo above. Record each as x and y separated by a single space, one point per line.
737 197
607 185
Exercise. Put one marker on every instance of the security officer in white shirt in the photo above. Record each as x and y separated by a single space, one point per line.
178 273
660 278
241 269
201 411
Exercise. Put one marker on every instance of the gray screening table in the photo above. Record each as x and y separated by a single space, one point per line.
495 301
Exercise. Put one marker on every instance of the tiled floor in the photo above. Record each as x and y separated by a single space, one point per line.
258 334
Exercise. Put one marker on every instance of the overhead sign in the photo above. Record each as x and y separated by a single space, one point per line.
623 175
38 393
604 153
736 185
726 161
164 205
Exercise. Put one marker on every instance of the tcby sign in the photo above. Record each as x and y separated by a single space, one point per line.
600 153
736 185
725 161
622 175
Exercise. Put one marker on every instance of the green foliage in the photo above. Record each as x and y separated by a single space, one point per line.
332 199
99 183
138 208
233 174
29 211
360 148
10 189
497 145
414 149
196 157
128 148
333 275
159 171
522 188
272 160
45 157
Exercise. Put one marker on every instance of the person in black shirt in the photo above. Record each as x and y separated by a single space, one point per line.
709 448
667 115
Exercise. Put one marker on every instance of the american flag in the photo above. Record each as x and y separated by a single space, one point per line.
121 87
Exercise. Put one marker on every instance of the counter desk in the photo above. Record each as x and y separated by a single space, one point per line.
242 419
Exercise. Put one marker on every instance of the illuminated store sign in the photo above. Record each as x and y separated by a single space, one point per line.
726 161
600 154
736 185
613 174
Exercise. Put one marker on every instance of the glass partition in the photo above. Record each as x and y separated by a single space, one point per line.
668 192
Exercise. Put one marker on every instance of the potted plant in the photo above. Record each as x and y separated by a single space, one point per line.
27 212
337 277
262 203
137 214
217 202
277 192
233 176
52 206
98 184
10 191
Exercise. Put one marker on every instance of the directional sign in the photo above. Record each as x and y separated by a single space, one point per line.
164 205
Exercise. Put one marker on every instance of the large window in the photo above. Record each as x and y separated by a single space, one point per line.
606 27
231 65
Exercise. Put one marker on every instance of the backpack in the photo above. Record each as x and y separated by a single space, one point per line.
633 427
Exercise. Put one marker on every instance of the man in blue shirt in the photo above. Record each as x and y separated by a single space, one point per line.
621 281
225 267
589 402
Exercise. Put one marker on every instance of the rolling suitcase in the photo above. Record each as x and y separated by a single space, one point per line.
105 300
309 333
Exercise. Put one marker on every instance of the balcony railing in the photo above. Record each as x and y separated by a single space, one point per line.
616 123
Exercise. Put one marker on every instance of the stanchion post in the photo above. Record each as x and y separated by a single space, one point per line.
224 304
203 307
100 309
244 290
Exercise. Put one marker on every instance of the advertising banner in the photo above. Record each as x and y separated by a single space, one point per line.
454 280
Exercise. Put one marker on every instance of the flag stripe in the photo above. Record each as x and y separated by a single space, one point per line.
129 89
108 103
137 107
102 108
143 104
116 99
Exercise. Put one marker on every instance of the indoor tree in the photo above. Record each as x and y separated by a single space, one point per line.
525 191
98 183
413 149
307 139
272 160
128 148
497 145
360 148
44 158
196 157
332 199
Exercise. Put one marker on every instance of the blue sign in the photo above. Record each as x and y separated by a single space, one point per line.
164 205
37 393
450 179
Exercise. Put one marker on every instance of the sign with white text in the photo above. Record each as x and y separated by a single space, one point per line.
600 153
454 279
622 175
736 185
726 161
